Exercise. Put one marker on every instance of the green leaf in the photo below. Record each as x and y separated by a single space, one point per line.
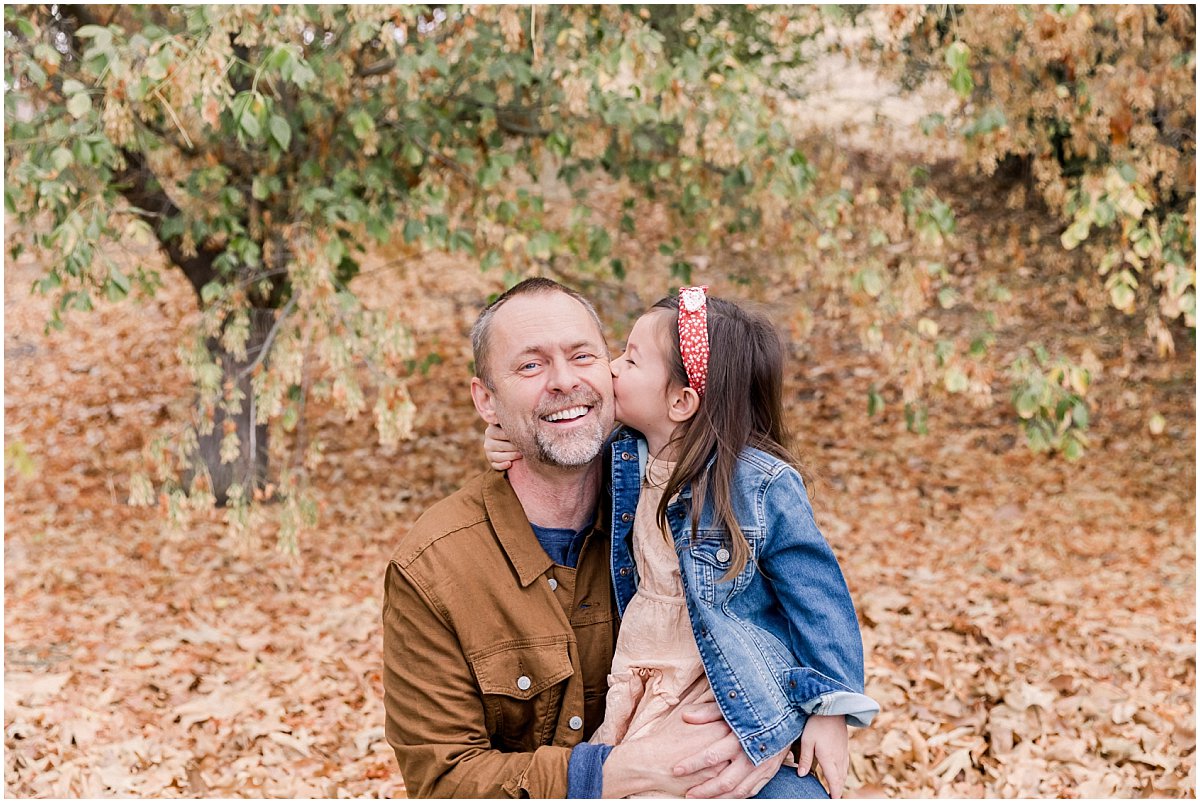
956 380
117 287
281 131
1072 449
871 282
962 82
1123 297
1027 403
916 419
361 124
210 292
103 36
61 158
414 229
957 56
79 105
1080 415
875 402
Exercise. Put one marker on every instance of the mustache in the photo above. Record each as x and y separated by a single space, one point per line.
586 398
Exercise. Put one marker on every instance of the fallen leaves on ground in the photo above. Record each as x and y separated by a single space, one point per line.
1029 623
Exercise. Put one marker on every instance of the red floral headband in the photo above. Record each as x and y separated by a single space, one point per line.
693 335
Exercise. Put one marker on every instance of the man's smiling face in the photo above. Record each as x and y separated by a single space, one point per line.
551 389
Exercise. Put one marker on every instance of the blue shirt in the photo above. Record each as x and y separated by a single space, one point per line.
561 544
585 777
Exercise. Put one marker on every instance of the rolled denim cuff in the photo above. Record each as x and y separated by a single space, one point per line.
585 771
859 709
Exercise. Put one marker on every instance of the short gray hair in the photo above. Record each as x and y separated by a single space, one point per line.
481 332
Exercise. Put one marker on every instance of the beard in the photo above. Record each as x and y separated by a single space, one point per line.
570 449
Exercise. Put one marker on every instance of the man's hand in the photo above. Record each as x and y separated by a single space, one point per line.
498 449
828 741
738 777
693 754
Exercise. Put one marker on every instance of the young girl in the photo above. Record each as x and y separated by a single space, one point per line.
724 584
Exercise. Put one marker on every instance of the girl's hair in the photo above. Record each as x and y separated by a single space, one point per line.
742 406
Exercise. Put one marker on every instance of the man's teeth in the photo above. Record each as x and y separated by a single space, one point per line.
563 415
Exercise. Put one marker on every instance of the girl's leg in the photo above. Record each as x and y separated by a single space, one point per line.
787 784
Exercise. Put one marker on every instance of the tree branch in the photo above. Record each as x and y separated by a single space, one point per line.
134 183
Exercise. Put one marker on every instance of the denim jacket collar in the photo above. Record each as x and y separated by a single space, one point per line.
643 451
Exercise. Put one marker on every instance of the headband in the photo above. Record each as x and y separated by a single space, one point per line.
693 335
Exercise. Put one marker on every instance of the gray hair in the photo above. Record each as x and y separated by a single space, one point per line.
481 331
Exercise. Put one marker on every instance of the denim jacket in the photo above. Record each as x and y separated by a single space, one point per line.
780 641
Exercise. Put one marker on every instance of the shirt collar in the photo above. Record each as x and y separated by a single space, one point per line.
512 529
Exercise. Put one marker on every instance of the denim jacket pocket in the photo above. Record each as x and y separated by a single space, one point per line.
522 684
710 558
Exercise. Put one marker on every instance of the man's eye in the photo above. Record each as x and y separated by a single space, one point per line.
585 357
529 366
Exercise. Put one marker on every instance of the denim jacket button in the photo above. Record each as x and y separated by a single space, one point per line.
723 554
624 571
626 456
732 695
626 517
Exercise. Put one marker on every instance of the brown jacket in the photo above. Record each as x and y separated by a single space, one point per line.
490 675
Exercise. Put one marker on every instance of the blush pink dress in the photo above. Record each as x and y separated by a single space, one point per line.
656 666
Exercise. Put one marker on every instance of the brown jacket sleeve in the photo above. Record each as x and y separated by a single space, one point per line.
435 710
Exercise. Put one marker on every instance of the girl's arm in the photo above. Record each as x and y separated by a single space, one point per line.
823 628
498 449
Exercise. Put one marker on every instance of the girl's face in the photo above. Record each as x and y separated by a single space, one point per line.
642 378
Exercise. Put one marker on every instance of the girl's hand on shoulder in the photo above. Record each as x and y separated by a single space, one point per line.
498 449
827 740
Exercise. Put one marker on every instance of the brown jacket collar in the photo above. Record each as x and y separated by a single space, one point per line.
512 529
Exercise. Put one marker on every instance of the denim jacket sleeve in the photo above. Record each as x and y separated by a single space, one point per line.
805 576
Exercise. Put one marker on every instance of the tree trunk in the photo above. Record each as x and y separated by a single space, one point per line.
251 467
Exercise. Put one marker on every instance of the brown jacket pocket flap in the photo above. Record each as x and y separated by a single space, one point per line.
522 670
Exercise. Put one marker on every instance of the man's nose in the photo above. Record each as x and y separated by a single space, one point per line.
564 376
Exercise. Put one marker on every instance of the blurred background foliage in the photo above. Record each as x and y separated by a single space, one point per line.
267 150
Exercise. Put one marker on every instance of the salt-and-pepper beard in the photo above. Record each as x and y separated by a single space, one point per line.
580 447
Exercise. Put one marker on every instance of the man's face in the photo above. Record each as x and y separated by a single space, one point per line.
551 386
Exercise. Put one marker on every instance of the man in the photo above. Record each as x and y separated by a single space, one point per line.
499 622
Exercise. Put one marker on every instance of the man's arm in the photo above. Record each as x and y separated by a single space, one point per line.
435 712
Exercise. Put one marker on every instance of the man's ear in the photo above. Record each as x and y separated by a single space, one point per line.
485 401
682 404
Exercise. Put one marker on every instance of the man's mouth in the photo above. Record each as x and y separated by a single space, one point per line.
569 414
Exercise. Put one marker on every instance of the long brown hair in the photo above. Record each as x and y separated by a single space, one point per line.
742 406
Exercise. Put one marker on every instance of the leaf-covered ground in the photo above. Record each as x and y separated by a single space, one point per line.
1029 623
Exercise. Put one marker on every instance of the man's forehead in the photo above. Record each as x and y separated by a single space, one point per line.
545 321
